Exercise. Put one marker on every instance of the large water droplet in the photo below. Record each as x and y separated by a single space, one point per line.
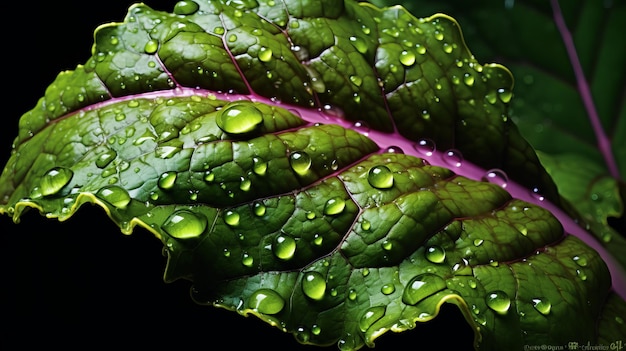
259 166
498 301
151 47
265 54
185 224
231 218
359 44
300 162
284 247
370 316
542 305
380 177
334 206
435 254
314 285
496 176
407 58
185 7
54 180
115 196
421 287
266 301
239 118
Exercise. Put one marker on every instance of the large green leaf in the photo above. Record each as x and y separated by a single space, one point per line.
280 208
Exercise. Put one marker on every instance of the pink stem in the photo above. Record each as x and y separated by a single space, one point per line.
603 141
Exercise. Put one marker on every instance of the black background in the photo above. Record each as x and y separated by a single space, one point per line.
82 282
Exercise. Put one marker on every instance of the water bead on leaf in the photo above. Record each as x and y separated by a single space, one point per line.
239 118
314 285
186 7
185 224
300 162
370 316
284 247
421 287
334 206
54 180
266 301
498 301
116 196
380 177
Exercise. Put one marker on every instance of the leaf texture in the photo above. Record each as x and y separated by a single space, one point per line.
245 136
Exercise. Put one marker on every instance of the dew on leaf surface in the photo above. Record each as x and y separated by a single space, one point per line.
300 162
284 247
166 180
239 118
498 301
185 224
54 180
435 254
421 287
114 195
370 316
380 177
231 218
542 305
334 206
314 285
266 301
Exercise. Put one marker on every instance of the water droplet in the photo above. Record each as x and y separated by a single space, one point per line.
380 177
498 301
581 261
259 166
259 209
105 158
54 180
185 7
244 184
366 225
505 95
239 118
496 176
370 316
151 47
334 206
478 242
394 150
300 162
231 218
356 80
166 180
388 289
425 147
266 301
209 176
581 274
359 44
314 285
491 97
265 54
453 158
115 196
542 305
352 295
536 194
421 287
232 38
185 224
435 254
468 79
284 247
407 58
247 260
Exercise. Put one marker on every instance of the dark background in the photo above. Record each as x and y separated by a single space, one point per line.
84 283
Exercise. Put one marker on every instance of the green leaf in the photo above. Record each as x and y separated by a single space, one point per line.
234 132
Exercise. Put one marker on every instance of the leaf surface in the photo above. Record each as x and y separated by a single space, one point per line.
272 149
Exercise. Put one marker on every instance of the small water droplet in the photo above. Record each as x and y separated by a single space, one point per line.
581 274
259 166
166 180
259 209
244 184
478 242
407 58
334 206
356 80
370 316
388 289
394 150
496 176
580 260
542 305
314 285
105 158
352 295
185 224
115 196
380 177
247 260
536 194
266 301
468 79
231 218
300 162
359 44
453 158
284 247
425 147
435 254
421 287
498 301
54 180
265 54
505 95
151 47
239 117
366 225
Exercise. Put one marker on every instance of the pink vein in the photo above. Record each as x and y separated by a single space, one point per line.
603 141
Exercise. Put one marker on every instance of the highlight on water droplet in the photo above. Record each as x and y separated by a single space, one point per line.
185 224
300 162
370 316
266 301
284 247
380 177
496 176
422 286
239 117
114 195
314 285
498 301
334 206
54 180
